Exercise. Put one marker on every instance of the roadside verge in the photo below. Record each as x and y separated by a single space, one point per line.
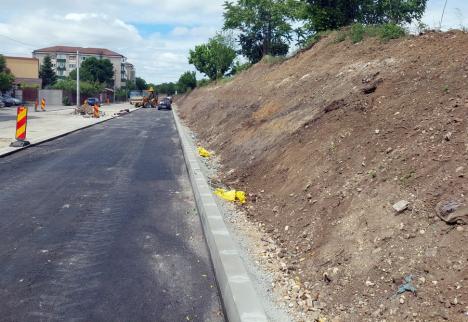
10 150
238 294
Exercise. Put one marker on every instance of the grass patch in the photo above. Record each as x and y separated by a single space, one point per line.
271 60
358 32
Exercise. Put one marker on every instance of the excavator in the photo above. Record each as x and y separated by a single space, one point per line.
148 101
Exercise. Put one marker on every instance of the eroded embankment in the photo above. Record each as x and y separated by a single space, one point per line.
326 143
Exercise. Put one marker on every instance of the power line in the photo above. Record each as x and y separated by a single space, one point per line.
19 42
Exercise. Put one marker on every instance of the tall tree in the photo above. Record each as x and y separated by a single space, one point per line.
6 77
264 26
140 84
96 70
332 14
47 73
214 58
187 81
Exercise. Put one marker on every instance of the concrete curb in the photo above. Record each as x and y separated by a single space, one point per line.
8 151
238 294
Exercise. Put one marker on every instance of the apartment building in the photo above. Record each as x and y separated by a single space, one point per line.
64 60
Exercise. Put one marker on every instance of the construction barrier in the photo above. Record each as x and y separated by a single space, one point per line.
43 104
36 105
21 123
96 111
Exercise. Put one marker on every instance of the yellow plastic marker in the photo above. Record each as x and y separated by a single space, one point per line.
231 195
203 153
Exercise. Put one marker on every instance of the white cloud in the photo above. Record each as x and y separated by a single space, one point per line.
158 56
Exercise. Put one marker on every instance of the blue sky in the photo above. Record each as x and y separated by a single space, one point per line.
155 35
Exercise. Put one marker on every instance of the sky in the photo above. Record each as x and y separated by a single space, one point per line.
155 36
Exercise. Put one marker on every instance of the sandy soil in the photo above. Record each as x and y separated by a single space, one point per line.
325 144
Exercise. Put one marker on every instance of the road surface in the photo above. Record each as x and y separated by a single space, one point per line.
101 226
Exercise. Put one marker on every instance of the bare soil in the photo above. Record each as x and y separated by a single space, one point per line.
325 143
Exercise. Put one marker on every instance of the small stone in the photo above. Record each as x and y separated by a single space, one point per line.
455 301
422 231
377 131
422 280
401 206
389 150
402 300
460 228
448 136
369 283
286 228
275 209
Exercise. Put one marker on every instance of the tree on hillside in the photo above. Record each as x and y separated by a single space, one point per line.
140 84
6 77
96 70
264 26
332 14
214 58
47 73
187 80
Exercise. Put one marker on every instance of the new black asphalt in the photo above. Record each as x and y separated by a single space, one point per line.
101 225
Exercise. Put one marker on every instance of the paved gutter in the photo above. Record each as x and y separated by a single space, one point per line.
239 297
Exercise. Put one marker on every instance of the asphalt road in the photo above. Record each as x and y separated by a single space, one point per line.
101 226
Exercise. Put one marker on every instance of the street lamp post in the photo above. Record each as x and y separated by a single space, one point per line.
77 79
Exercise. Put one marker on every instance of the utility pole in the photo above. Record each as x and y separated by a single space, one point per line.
442 17
77 79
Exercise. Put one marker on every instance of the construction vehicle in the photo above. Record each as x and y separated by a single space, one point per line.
136 97
150 99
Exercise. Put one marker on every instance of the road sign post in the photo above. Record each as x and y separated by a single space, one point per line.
21 124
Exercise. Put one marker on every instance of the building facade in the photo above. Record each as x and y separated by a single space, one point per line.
26 70
130 72
64 60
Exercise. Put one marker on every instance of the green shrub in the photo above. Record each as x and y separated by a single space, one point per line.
204 82
66 101
340 36
357 32
391 31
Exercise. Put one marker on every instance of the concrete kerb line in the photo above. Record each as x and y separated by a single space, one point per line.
240 300
54 137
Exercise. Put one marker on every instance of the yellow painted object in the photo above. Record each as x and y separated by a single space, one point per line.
231 195
203 153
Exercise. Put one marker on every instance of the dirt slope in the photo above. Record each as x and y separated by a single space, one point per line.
326 143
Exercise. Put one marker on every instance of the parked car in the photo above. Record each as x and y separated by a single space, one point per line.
13 99
7 101
165 103
2 104
93 100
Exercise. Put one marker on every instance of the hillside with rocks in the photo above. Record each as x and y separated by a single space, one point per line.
355 161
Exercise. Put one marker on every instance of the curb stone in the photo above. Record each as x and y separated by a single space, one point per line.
8 151
240 300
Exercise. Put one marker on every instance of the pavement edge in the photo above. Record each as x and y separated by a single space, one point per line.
238 294
57 136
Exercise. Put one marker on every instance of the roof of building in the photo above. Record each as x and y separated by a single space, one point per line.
82 50
22 58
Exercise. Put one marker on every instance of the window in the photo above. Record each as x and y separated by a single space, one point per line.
60 72
71 65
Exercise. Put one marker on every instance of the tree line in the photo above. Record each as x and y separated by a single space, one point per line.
270 27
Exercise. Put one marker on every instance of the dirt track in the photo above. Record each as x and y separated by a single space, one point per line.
326 143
